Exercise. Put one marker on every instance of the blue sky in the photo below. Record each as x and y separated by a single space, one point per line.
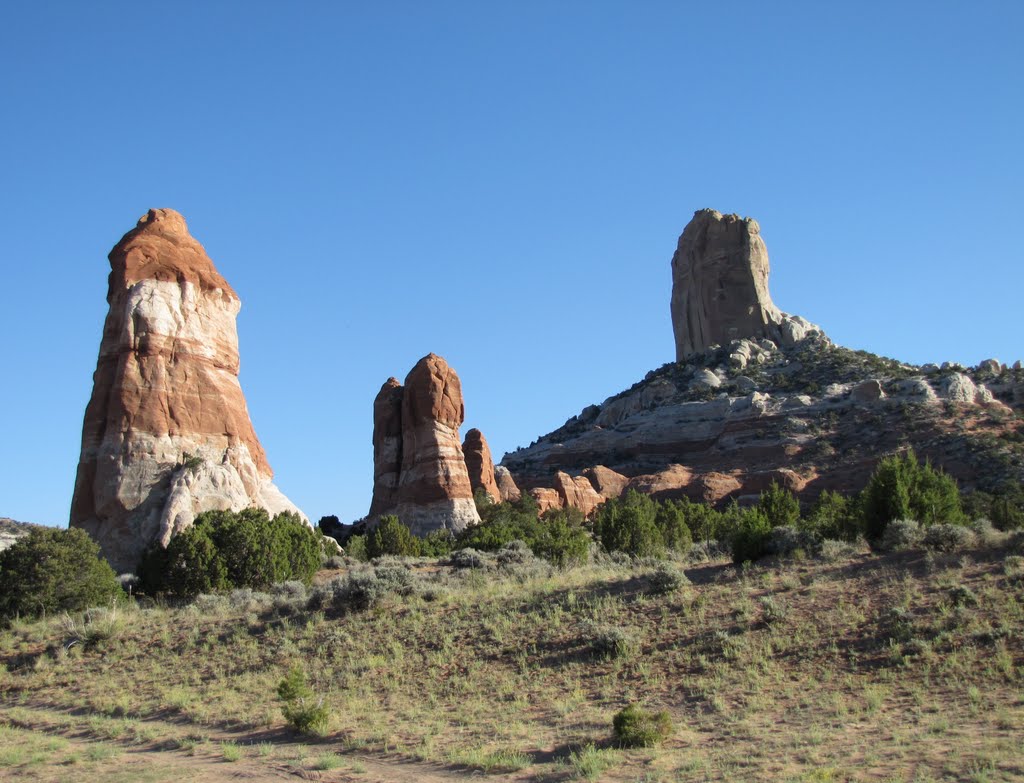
502 184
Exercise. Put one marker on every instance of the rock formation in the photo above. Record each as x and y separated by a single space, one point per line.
432 489
387 445
167 433
720 287
759 396
480 464
506 484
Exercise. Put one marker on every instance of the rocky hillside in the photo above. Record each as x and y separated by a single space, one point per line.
11 530
729 418
814 416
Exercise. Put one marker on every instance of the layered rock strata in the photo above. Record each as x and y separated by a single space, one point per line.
480 464
167 433
758 396
720 287
432 489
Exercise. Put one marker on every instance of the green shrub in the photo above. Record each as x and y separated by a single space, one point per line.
627 524
391 537
437 543
233 549
304 711
667 578
750 539
786 540
671 519
773 610
900 534
834 517
355 548
609 641
469 558
779 506
902 488
52 570
638 728
94 628
559 537
947 538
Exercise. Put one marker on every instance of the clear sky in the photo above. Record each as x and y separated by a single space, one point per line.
500 183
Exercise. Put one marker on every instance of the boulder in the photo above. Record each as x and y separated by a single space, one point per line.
606 482
480 464
867 391
166 433
577 492
546 499
705 379
959 387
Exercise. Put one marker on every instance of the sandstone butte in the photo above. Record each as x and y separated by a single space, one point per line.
420 471
757 396
166 434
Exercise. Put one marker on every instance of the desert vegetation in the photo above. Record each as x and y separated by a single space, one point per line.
632 646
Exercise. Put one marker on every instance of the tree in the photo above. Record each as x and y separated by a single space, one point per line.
52 570
227 549
903 488
670 517
832 516
391 537
627 524
779 506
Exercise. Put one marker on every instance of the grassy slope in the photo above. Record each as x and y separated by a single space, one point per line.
497 672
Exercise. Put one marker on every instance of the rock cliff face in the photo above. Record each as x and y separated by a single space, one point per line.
720 287
480 464
432 489
759 396
167 433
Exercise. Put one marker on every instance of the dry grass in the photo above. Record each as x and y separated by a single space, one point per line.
898 667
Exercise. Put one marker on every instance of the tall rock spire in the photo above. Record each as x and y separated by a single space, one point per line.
431 488
720 284
167 433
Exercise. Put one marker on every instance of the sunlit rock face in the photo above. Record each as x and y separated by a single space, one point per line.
432 489
480 465
167 433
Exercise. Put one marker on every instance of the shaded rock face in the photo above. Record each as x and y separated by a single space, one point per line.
720 287
432 489
480 464
167 433
387 445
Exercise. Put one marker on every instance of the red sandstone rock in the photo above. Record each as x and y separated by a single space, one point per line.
671 482
432 490
715 487
606 482
506 484
577 492
480 464
166 433
387 445
546 498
